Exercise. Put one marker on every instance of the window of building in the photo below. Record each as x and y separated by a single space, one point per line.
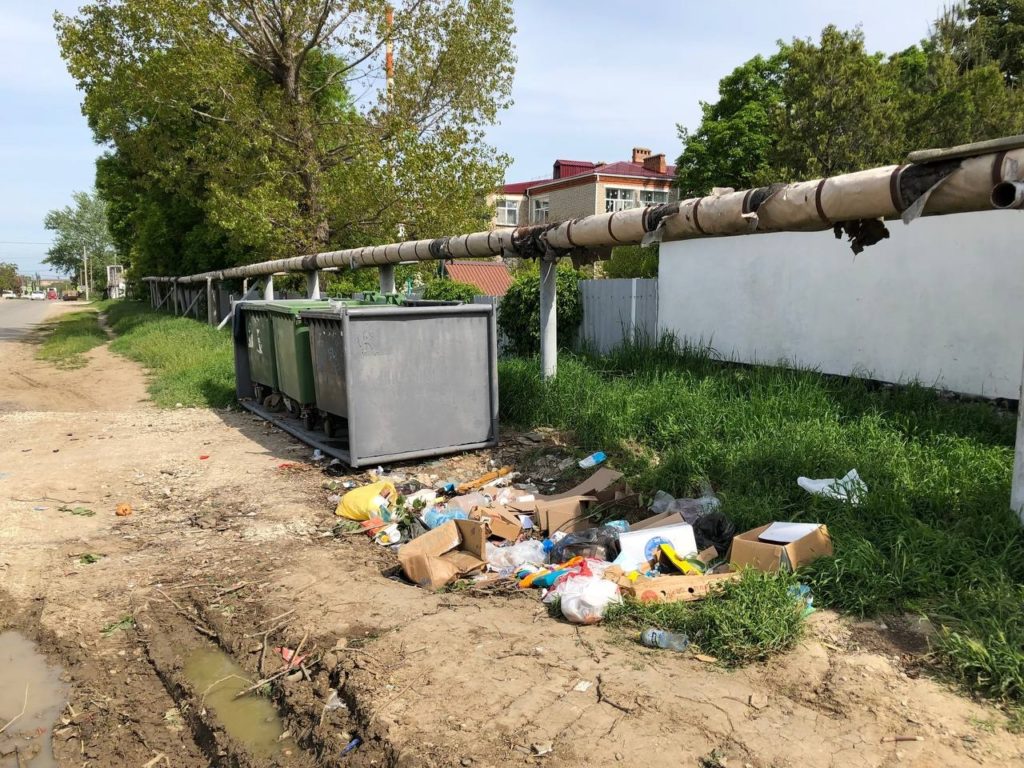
540 210
619 199
507 211
653 196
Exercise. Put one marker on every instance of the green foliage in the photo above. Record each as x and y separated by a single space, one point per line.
72 336
80 230
977 33
9 280
632 261
747 620
933 535
235 135
519 315
816 109
190 362
450 290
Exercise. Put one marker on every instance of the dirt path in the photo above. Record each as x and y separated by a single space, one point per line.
235 550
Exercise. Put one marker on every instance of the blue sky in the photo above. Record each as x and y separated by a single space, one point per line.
593 80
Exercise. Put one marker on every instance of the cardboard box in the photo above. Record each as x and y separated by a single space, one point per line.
673 589
748 550
604 485
562 514
655 521
439 557
500 521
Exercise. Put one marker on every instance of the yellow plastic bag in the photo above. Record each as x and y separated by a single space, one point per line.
363 503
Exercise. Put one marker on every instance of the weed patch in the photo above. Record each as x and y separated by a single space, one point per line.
933 535
72 336
746 620
190 362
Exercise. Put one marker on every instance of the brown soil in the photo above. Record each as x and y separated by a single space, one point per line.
237 551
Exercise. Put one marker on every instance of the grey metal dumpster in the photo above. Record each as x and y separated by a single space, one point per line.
396 383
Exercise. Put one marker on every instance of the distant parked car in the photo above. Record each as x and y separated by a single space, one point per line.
51 294
70 296
8 295
37 296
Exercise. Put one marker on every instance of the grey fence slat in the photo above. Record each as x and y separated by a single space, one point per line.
616 310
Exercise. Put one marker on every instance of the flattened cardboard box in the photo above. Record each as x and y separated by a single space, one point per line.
562 514
438 557
674 589
764 556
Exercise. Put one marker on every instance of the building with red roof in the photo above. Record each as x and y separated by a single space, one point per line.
491 277
582 188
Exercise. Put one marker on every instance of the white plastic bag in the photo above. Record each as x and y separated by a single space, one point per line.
526 552
848 488
585 598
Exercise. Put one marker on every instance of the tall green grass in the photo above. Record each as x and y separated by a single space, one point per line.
190 362
72 336
934 533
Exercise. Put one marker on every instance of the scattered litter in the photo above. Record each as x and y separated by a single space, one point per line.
543 748
372 500
318 455
751 549
582 686
354 744
585 598
705 658
592 460
39 509
204 457
289 656
79 511
659 638
897 739
848 488
334 702
123 510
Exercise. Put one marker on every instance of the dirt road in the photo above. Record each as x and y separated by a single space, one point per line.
230 546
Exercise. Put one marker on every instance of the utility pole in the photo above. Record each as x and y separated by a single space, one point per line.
85 270
386 272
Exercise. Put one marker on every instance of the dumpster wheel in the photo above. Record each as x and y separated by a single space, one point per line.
309 420
330 426
259 392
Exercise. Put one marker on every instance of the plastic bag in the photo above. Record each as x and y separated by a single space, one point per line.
599 543
714 529
848 488
526 552
364 503
690 509
585 598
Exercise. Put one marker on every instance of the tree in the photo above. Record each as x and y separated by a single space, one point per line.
9 280
732 146
80 230
630 261
977 33
444 289
234 122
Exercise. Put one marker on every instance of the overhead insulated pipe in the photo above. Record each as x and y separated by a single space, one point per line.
1008 194
971 177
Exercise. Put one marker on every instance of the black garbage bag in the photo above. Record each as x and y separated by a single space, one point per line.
599 543
714 529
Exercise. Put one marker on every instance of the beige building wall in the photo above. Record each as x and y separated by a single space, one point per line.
635 184
493 199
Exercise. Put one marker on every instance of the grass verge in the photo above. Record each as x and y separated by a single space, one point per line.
72 336
747 620
933 534
191 363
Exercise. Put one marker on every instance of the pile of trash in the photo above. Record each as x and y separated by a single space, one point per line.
488 530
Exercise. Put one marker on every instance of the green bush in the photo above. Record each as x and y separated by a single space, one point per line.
632 261
519 316
450 290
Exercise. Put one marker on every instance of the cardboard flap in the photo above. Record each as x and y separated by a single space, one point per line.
748 550
440 556
602 483
500 522
810 547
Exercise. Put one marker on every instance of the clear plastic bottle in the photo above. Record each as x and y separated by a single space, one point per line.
659 638
469 502
592 460
435 517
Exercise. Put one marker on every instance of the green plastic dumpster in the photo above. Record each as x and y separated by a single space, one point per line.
291 354
259 335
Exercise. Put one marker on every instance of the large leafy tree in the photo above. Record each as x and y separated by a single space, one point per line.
254 129
81 230
980 32
9 280
822 108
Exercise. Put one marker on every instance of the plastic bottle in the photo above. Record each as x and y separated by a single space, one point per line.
469 502
659 638
435 517
592 460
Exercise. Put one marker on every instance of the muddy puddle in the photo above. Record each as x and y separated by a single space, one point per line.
32 696
251 720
